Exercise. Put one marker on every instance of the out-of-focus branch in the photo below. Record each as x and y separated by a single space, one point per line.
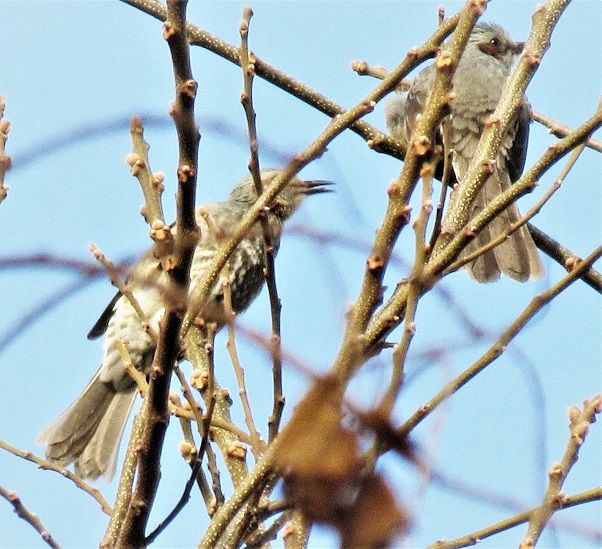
29 517
4 159
497 349
579 424
50 466
595 494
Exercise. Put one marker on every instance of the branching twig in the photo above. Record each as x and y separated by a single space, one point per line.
257 445
522 186
50 466
495 351
354 349
28 516
247 64
579 424
535 209
595 494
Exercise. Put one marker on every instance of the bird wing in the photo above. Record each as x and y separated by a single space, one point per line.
100 327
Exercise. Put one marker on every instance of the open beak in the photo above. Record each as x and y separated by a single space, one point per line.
314 187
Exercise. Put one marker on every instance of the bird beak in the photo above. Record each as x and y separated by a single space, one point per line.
518 47
314 187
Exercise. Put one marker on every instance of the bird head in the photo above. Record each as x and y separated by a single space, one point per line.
287 201
494 41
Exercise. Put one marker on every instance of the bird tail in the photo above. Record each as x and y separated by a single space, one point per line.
88 433
516 257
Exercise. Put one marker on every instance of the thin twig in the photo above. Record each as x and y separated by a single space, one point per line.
247 64
29 517
257 445
560 130
50 466
497 349
185 497
123 287
199 351
564 257
594 494
400 351
580 421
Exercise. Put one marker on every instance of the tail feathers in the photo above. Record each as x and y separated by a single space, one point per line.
89 431
100 454
484 268
517 256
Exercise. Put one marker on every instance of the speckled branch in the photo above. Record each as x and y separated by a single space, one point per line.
355 347
168 345
544 21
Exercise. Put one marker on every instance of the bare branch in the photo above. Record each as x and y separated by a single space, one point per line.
28 516
50 466
595 494
579 424
496 350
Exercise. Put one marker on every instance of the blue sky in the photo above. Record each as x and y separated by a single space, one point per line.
67 65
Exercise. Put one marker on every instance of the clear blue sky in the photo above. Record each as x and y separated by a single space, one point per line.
70 64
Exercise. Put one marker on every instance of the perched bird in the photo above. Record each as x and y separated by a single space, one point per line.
89 431
477 85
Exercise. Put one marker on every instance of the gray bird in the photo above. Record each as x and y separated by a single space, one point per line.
89 431
477 85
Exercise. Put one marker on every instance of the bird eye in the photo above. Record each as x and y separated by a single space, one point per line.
494 42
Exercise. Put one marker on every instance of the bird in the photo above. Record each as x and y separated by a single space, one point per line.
89 431
477 84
